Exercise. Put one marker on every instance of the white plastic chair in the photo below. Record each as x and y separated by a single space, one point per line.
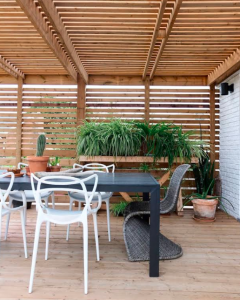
6 210
96 167
17 195
64 217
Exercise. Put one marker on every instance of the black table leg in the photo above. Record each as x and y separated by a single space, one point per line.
154 232
146 198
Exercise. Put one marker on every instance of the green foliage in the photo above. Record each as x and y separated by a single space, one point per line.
121 138
145 168
54 161
170 141
118 208
117 138
41 143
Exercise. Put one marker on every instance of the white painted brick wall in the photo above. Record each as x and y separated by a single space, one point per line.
230 146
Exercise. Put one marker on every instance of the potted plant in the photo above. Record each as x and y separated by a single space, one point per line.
39 162
204 202
54 164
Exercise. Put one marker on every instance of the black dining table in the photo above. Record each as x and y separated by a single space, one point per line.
120 182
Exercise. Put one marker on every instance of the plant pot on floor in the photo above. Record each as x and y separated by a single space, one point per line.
37 163
204 209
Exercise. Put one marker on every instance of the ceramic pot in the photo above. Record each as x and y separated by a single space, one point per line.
55 168
205 209
37 163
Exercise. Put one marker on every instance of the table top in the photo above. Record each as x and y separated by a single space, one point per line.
108 182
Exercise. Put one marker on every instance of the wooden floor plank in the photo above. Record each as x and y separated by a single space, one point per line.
209 268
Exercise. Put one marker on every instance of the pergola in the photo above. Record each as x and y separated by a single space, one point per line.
153 60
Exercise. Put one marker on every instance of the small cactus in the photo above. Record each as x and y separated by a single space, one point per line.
41 143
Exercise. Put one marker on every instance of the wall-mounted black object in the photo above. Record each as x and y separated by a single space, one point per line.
225 88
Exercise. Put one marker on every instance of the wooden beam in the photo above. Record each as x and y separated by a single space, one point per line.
229 66
155 35
147 98
212 122
19 121
81 101
10 68
168 31
57 24
36 17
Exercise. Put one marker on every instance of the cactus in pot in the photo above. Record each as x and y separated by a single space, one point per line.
41 144
39 162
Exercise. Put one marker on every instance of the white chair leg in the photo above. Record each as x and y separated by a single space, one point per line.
7 226
34 257
25 215
79 209
68 227
108 220
85 255
48 225
46 201
24 232
96 235
53 200
8 218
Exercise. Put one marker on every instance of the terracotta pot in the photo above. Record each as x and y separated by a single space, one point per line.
55 168
28 171
48 169
205 209
14 171
37 163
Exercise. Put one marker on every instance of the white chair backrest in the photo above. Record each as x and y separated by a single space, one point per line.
5 193
97 167
63 183
22 164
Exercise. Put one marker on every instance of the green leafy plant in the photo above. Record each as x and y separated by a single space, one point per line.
205 181
54 161
116 138
165 140
145 168
41 144
118 208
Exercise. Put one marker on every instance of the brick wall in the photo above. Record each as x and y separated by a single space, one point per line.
230 146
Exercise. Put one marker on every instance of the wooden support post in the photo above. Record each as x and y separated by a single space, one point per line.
81 100
147 98
19 121
212 122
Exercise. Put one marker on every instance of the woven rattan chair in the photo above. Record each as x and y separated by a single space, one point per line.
136 229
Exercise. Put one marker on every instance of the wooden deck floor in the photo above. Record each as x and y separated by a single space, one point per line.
209 268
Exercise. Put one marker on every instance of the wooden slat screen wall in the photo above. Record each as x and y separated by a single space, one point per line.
186 106
8 123
104 103
50 109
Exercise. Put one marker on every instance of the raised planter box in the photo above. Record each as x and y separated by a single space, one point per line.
127 159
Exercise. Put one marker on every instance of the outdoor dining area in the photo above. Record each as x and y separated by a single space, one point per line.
119 149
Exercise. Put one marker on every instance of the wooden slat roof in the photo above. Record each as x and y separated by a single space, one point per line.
115 37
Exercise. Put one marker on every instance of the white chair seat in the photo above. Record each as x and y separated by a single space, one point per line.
29 195
80 197
63 215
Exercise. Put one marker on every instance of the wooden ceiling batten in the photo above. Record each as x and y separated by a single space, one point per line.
10 68
225 69
155 35
35 16
168 31
57 24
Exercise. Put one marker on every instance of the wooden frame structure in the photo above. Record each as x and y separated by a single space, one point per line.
90 50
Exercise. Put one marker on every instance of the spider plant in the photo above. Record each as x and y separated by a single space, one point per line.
117 138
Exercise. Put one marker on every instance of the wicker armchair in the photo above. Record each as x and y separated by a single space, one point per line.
136 229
